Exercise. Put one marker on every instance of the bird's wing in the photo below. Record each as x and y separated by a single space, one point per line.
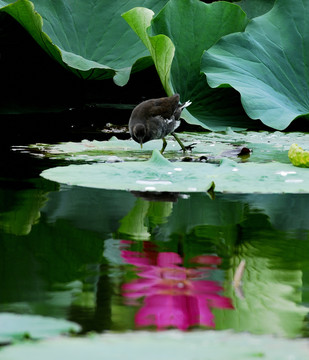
159 126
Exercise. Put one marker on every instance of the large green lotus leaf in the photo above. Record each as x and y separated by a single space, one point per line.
159 174
268 64
254 8
265 147
163 345
156 174
176 39
15 326
88 37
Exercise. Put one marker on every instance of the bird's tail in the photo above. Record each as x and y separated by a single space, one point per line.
186 104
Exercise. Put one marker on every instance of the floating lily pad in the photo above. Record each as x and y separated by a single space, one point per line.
265 146
16 327
264 168
156 174
298 156
163 345
159 174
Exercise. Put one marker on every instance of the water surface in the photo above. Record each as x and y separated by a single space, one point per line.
115 260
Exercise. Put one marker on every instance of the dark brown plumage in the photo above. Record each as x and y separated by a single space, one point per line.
155 119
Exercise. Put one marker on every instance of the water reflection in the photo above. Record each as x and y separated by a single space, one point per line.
62 253
17 213
173 295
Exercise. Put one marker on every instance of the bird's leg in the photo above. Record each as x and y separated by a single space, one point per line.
179 142
164 145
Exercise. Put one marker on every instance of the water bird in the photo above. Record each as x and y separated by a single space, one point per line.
155 119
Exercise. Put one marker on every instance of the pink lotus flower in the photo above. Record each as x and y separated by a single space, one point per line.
173 295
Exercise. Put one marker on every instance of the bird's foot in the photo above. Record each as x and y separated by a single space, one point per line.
164 146
190 147
179 142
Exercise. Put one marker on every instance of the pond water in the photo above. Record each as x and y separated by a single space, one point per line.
116 260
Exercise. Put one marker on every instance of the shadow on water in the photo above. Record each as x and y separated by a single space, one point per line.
119 260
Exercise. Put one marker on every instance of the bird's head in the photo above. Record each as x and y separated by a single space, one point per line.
139 134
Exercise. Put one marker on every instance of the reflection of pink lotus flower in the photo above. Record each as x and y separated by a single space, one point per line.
174 295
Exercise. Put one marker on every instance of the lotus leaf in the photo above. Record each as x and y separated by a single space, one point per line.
176 38
265 147
298 156
254 8
193 345
88 37
268 64
158 174
15 326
